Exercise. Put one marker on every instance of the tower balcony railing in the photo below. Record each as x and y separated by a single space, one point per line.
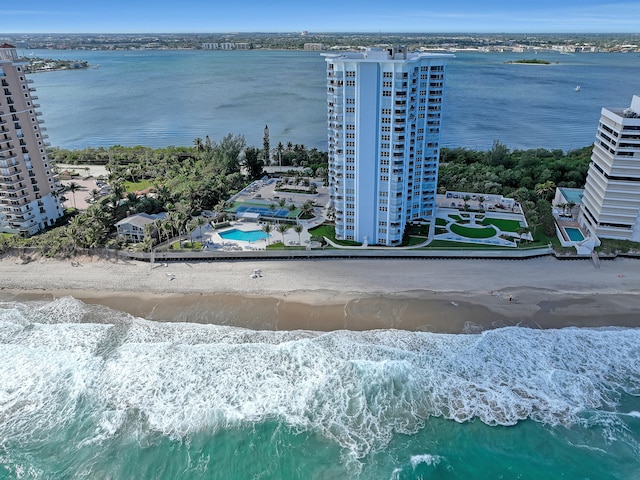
8 182
21 218
12 201
6 148
8 162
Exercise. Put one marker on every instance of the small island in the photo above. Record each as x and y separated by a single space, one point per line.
49 65
533 61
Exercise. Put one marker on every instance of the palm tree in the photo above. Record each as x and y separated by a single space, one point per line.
562 206
279 150
199 223
74 230
282 228
198 144
307 209
298 228
522 231
545 189
266 228
94 195
570 207
73 187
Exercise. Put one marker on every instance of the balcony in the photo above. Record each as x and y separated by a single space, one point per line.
6 148
12 201
8 162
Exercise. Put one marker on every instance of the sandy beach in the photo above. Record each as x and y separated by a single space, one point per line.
437 295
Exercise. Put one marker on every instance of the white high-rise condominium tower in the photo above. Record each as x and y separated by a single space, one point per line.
28 185
384 111
611 201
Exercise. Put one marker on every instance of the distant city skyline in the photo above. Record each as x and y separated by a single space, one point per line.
197 16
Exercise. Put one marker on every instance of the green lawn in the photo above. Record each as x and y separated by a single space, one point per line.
137 186
503 224
186 246
469 232
329 231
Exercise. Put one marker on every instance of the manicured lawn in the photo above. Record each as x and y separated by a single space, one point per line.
137 186
329 231
506 225
441 222
469 232
186 246
414 241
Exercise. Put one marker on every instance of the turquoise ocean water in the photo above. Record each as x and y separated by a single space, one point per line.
161 98
88 392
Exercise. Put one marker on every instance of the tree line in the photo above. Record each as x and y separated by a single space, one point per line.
529 176
187 180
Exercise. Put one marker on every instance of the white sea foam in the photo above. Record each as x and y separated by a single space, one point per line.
357 388
426 459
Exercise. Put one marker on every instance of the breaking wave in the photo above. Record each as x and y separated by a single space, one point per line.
357 389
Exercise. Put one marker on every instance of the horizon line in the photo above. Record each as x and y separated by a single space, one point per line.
298 32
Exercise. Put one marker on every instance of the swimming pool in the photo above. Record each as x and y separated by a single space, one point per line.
244 236
574 234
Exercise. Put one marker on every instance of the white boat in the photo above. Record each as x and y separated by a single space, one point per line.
577 89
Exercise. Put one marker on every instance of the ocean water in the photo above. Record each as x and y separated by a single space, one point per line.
161 98
89 392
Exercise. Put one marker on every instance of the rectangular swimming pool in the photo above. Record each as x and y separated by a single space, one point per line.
248 236
574 234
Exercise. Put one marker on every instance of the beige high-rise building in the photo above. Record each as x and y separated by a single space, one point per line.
28 184
611 201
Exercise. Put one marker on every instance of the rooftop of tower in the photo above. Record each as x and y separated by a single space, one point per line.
629 112
375 54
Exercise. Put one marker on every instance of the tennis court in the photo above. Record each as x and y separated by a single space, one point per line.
263 210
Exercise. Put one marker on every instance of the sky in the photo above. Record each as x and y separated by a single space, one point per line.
408 16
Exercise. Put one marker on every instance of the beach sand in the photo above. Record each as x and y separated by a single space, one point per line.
448 296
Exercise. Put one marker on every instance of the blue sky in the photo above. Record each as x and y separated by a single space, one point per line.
196 16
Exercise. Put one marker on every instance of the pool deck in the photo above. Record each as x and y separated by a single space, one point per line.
213 241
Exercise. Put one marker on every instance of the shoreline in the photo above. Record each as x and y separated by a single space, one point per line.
444 296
